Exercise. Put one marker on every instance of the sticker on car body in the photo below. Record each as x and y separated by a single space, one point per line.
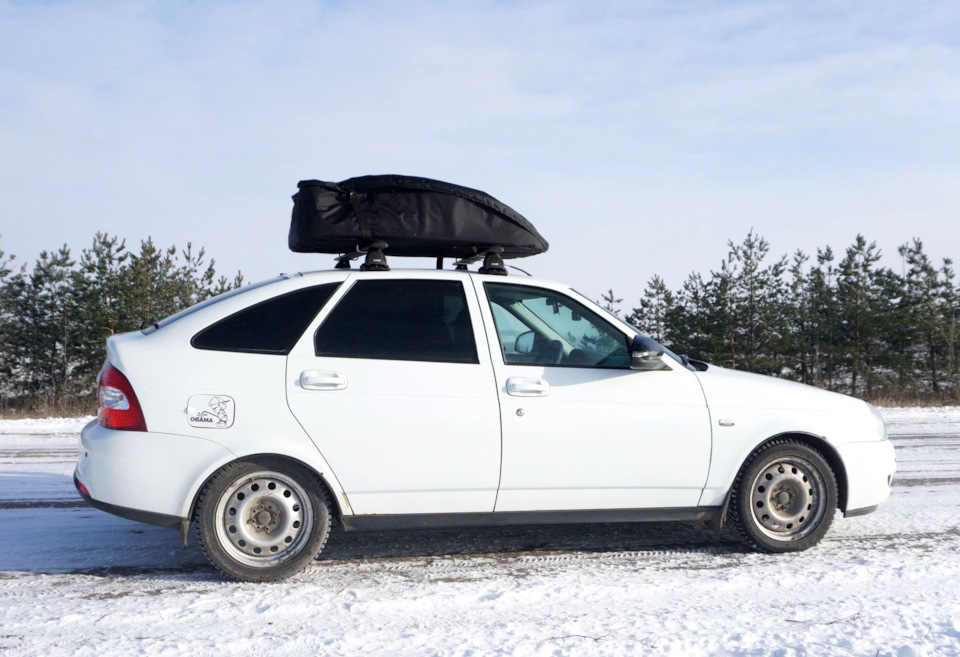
210 411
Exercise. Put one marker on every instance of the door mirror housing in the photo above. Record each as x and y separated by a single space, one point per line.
524 343
643 358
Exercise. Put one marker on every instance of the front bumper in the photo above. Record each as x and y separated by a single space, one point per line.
870 467
148 477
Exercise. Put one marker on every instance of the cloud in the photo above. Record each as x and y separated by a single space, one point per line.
671 125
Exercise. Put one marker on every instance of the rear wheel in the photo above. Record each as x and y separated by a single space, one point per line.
262 520
784 497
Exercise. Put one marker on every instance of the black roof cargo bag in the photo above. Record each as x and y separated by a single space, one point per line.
416 217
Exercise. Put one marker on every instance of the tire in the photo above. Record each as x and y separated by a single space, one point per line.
262 520
784 498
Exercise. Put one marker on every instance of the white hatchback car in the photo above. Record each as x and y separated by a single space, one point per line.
426 398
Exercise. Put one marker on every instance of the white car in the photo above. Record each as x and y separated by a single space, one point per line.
427 398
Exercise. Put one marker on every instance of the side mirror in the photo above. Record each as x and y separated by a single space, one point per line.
524 343
644 359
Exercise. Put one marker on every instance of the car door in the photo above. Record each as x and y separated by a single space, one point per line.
399 395
580 429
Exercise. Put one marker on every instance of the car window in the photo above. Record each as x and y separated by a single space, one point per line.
509 327
269 327
150 328
542 327
396 319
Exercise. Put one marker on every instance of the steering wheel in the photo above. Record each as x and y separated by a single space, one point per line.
550 353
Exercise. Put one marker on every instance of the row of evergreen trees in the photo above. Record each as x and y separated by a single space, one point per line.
845 324
55 316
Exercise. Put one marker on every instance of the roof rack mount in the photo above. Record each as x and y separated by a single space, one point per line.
492 261
374 260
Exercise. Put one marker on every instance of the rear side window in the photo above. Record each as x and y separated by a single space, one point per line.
400 320
269 327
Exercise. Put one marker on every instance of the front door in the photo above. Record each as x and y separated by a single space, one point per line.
580 429
398 394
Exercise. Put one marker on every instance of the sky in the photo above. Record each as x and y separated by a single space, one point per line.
638 137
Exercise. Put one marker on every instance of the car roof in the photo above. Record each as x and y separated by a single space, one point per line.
426 272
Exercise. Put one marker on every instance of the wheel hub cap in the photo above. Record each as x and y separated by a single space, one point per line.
265 519
787 498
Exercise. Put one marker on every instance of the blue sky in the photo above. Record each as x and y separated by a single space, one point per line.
637 136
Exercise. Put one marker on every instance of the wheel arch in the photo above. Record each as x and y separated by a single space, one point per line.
811 440
823 446
337 508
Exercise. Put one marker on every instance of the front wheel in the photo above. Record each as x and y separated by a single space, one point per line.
784 497
262 520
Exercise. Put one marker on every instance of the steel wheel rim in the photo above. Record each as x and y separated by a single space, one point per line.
788 498
264 519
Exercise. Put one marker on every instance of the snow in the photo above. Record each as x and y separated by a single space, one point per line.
76 581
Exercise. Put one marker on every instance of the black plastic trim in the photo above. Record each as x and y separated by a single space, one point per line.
148 517
502 518
865 511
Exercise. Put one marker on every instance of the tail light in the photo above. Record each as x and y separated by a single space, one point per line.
81 487
119 408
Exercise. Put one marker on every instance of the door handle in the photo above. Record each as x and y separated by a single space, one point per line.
520 386
322 380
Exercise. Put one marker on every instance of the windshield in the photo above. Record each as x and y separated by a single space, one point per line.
208 302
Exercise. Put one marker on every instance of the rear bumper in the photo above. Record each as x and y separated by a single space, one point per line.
870 467
144 476
158 519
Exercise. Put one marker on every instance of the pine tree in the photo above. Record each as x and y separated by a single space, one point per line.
757 299
610 302
857 293
686 330
102 290
6 330
892 364
43 330
825 330
951 313
930 300
720 320
656 308
800 319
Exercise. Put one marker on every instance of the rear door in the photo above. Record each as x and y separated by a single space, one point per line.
394 384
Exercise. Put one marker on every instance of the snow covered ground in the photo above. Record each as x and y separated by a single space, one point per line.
74 580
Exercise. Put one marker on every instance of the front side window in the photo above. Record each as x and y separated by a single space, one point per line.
269 327
542 327
395 319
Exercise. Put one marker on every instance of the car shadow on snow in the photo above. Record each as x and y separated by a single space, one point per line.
56 533
522 539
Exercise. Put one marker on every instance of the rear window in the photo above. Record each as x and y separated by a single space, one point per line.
400 319
153 326
269 327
